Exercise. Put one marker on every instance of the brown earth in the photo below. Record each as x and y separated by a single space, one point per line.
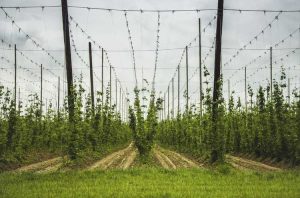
172 160
244 164
50 165
121 159
124 158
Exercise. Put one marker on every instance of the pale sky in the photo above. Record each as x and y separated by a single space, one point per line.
176 30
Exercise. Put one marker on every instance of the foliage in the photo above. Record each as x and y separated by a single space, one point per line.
144 129
270 128
26 128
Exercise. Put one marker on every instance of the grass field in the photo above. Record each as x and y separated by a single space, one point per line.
152 182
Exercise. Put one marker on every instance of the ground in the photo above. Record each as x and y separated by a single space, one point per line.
119 174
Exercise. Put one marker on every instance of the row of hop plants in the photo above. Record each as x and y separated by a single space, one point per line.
269 128
24 128
144 125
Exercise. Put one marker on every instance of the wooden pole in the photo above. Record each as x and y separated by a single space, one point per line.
187 78
216 147
173 104
143 108
110 85
229 91
102 73
41 89
19 100
15 76
178 91
58 96
123 106
271 73
246 102
126 105
116 95
289 92
121 101
164 108
68 58
168 102
63 85
91 77
200 67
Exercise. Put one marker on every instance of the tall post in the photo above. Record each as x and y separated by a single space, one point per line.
91 77
121 101
271 73
168 102
229 91
187 78
289 92
102 78
173 105
116 95
216 144
200 67
63 84
68 58
46 104
110 85
58 96
41 89
246 102
125 106
164 108
160 111
19 100
143 91
178 91
15 76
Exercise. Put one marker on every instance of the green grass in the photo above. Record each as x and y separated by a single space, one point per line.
151 182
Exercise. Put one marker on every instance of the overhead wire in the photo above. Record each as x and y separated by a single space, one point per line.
151 10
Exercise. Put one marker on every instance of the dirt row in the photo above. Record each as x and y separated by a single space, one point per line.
172 160
47 166
246 164
124 159
121 159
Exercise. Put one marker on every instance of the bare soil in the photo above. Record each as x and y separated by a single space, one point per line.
43 167
172 160
124 159
121 159
164 160
243 164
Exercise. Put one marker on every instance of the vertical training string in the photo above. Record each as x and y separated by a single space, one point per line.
156 50
132 49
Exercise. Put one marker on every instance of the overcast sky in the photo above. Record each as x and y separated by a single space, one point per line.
176 30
